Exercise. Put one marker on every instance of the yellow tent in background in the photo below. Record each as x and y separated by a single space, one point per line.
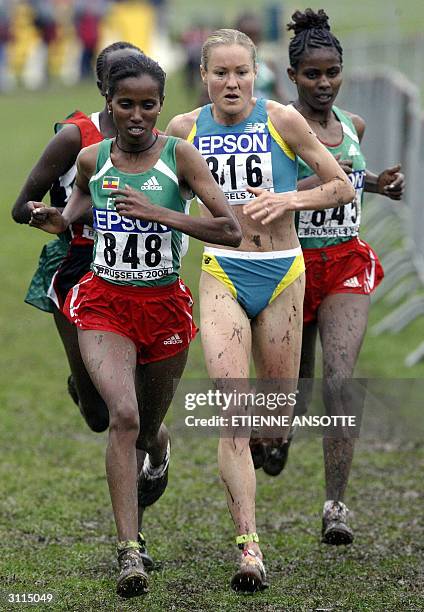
130 21
25 37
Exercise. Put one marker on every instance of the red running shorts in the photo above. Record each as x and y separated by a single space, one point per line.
158 320
349 267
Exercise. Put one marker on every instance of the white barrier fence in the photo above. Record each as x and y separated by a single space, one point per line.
390 105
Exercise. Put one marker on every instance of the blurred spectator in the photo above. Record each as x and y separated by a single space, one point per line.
44 20
161 8
87 19
36 70
268 82
5 38
192 41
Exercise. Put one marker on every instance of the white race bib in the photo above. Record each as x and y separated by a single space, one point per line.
238 161
131 250
338 222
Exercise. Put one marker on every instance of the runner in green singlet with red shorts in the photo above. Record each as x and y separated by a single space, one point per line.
341 269
133 312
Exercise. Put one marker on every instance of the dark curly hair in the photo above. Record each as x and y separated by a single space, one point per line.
134 66
311 31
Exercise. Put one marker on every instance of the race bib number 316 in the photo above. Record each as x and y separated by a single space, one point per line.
238 161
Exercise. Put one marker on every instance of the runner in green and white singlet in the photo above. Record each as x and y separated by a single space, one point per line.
341 269
331 226
133 312
65 261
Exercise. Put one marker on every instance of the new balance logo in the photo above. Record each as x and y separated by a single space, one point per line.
252 128
175 339
152 184
352 282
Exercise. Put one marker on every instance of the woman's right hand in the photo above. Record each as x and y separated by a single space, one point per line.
46 218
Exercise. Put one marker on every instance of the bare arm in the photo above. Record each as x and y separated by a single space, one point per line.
390 182
181 125
50 219
221 228
57 158
335 188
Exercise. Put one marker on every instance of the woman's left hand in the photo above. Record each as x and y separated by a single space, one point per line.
391 183
268 206
132 203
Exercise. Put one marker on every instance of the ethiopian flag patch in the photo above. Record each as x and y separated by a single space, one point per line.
110 182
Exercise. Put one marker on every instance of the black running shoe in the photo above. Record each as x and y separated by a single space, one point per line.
148 562
72 390
151 487
259 452
97 421
335 530
132 579
276 458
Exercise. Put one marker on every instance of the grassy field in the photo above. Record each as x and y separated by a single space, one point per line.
56 526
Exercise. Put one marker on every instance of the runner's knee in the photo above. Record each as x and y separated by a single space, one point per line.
124 418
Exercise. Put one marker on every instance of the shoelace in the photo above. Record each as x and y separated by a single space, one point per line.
337 512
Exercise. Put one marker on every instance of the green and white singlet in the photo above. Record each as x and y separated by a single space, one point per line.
322 228
131 251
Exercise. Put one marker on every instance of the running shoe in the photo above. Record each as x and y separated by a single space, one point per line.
72 390
132 579
152 482
251 575
258 450
276 458
148 562
335 529
277 454
96 422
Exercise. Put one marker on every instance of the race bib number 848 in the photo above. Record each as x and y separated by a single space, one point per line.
134 250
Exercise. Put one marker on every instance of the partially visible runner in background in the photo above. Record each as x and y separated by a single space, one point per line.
268 83
341 269
63 262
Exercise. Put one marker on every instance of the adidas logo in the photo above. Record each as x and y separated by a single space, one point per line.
175 339
252 128
152 184
352 282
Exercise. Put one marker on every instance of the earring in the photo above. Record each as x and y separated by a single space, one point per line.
109 110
